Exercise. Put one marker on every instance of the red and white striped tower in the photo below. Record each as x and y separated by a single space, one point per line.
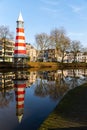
20 86
20 45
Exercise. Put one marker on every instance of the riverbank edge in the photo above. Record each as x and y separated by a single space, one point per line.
44 65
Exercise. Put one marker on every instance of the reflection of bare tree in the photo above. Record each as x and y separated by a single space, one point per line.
75 80
61 85
55 91
55 87
41 88
6 98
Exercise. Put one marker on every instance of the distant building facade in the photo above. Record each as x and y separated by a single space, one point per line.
47 55
31 52
6 50
52 55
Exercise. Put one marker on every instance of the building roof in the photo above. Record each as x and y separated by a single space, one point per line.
20 18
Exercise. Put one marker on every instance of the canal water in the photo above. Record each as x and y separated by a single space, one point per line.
28 97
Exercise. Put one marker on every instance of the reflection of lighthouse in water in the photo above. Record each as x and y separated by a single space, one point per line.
20 86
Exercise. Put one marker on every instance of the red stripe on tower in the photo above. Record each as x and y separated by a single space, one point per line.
20 45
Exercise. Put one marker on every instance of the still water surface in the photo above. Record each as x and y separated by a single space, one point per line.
28 97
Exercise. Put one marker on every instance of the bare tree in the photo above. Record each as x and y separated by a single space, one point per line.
43 42
61 42
75 48
6 33
6 36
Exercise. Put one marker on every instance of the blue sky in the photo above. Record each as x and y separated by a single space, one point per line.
45 15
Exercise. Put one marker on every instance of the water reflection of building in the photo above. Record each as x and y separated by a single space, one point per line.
71 73
6 88
19 86
48 75
6 80
31 78
77 72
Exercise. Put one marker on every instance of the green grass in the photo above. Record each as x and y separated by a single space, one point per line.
70 112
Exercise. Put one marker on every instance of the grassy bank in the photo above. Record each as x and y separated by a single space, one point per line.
71 112
45 65
72 65
42 64
56 65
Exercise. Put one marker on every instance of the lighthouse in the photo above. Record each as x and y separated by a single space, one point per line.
20 45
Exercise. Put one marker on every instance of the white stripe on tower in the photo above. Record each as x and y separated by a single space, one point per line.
19 41
20 48
20 34
20 45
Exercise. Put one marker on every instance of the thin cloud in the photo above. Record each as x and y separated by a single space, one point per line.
49 6
50 10
50 2
76 9
75 34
